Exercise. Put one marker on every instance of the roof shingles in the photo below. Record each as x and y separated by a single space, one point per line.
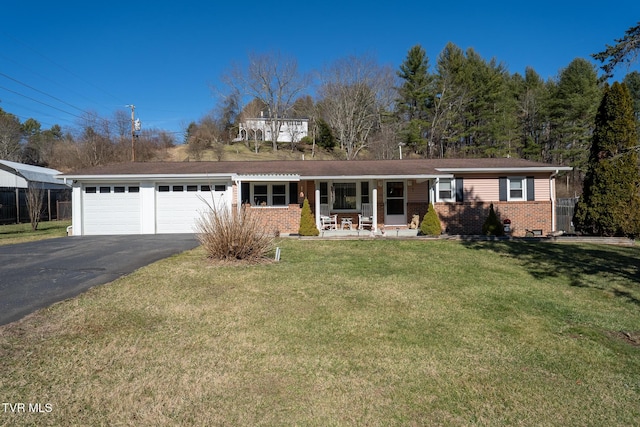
309 168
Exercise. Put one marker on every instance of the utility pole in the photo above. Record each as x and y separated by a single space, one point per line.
133 133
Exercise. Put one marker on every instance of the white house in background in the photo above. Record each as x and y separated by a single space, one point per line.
291 130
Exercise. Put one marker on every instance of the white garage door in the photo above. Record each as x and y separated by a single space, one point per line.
111 209
179 206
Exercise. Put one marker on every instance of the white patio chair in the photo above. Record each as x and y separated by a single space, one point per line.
365 218
327 221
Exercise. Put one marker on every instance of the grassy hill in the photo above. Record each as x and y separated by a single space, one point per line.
239 151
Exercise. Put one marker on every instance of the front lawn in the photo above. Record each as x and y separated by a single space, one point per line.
372 332
19 233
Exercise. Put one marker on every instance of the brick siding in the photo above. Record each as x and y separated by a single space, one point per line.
279 219
468 217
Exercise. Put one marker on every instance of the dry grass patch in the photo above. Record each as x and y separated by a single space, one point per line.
337 333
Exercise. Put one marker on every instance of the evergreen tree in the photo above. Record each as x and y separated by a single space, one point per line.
415 97
325 139
632 81
307 223
610 203
572 112
532 95
430 225
492 225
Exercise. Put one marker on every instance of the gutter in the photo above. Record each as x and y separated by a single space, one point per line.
552 192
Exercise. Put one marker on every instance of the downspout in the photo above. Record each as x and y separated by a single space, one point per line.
552 191
238 183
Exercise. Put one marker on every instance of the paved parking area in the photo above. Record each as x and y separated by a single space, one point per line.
37 274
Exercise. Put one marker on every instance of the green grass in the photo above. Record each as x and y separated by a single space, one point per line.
373 332
18 233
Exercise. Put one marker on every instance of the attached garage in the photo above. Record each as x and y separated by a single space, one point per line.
156 202
179 206
111 209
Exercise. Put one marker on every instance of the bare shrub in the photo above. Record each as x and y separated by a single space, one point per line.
35 202
233 235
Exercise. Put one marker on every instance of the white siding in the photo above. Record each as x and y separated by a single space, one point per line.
112 212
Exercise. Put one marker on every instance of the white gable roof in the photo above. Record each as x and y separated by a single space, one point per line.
29 173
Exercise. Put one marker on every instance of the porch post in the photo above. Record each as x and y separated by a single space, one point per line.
374 200
317 191
238 183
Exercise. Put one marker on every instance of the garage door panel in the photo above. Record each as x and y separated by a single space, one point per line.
111 213
179 211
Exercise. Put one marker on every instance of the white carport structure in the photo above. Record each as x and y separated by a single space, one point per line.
145 204
16 178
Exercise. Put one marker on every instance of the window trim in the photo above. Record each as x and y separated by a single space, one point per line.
523 180
269 194
329 185
453 190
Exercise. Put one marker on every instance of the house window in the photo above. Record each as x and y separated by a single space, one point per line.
364 192
260 195
324 193
270 194
446 190
345 195
279 194
517 188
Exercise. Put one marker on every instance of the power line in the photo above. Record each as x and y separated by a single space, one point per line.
39 102
39 91
64 68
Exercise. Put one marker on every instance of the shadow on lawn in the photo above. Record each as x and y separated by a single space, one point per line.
614 269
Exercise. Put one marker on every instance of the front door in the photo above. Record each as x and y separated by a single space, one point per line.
394 212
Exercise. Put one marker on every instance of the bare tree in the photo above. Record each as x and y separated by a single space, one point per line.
274 80
355 92
252 130
35 201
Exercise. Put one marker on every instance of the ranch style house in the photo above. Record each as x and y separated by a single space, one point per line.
169 197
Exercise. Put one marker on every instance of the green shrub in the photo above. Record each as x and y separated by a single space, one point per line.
430 225
492 225
307 222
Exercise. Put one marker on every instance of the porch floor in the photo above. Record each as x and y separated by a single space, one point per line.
389 232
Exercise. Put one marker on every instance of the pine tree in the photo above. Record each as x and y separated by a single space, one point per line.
307 223
492 225
430 225
610 202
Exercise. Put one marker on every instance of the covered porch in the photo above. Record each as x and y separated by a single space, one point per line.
368 205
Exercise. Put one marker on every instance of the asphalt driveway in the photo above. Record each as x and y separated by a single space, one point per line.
37 274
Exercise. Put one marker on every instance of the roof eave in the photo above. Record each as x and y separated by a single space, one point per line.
507 170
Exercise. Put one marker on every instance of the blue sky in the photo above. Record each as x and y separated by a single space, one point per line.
58 59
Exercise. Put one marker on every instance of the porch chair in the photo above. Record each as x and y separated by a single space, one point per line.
365 218
327 221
